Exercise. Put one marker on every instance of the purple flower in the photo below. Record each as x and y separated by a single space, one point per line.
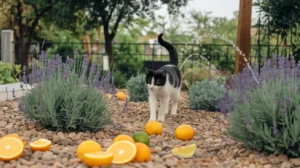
274 128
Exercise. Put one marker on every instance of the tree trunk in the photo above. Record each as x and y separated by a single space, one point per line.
108 45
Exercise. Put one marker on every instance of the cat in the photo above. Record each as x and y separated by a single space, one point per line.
164 84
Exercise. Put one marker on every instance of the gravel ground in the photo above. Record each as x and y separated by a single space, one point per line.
214 149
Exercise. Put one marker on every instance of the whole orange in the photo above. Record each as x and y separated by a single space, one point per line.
184 132
143 153
123 137
153 127
87 146
121 96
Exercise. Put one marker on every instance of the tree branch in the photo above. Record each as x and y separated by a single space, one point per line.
111 11
116 25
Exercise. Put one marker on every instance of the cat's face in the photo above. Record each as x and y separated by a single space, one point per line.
155 80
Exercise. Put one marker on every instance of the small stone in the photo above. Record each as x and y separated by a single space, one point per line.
49 133
285 164
48 156
268 166
106 143
74 160
58 165
61 135
66 142
252 165
81 166
170 162
25 162
295 161
99 134
56 138
72 135
27 133
3 124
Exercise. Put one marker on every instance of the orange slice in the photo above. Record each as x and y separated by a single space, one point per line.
16 136
98 158
40 145
123 151
10 148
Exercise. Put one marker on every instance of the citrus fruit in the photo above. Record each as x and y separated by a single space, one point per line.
16 136
123 151
185 151
98 158
87 146
40 145
141 137
121 96
109 96
143 152
10 148
123 137
184 132
153 127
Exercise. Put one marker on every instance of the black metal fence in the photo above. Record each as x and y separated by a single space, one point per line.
130 57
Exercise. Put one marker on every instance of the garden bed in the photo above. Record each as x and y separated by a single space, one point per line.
214 149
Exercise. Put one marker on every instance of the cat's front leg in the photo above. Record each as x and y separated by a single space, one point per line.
164 104
152 104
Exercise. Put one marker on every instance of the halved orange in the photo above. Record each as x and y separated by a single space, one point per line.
40 145
123 151
98 158
10 148
16 136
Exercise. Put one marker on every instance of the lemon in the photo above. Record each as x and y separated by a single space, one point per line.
142 137
185 151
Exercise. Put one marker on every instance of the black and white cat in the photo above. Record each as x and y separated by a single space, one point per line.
164 84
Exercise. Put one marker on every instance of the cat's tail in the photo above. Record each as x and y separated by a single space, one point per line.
171 49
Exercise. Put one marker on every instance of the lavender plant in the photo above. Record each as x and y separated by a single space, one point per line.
203 95
265 116
137 88
67 97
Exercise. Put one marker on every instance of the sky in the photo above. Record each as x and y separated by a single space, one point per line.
219 8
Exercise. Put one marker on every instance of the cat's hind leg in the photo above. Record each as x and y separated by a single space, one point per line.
175 98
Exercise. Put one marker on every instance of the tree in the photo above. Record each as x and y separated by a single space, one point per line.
111 13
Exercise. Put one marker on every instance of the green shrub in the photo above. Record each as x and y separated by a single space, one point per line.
66 99
268 118
8 74
119 79
203 95
137 88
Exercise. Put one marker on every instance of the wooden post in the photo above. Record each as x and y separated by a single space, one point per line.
243 34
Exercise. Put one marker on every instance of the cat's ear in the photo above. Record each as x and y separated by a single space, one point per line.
164 73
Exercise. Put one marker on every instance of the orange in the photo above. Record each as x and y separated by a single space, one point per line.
40 145
153 127
123 151
87 146
123 137
184 132
98 158
10 148
143 152
16 136
109 96
121 96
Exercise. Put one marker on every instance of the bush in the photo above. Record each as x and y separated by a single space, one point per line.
66 99
203 95
119 79
8 74
137 88
265 116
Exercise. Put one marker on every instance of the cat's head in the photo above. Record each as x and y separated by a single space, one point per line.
155 79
